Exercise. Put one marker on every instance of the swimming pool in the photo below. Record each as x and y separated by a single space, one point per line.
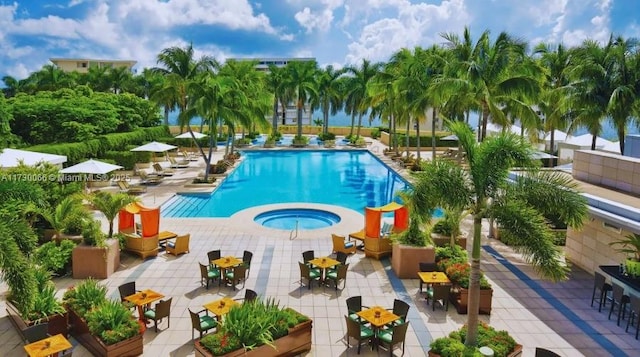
352 179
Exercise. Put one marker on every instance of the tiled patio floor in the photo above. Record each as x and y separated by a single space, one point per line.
536 313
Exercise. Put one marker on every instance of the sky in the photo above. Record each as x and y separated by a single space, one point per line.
336 32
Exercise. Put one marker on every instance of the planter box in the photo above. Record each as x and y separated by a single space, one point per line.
440 240
95 262
405 259
377 247
461 299
144 247
517 351
80 331
58 324
296 342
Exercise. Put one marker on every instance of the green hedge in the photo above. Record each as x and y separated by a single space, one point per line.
426 141
97 148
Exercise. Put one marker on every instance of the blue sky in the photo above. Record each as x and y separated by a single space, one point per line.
336 32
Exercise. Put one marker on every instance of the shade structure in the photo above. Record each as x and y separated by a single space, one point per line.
91 167
542 155
149 219
373 215
452 137
154 146
13 157
187 135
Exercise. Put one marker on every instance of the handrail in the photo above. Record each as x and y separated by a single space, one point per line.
296 230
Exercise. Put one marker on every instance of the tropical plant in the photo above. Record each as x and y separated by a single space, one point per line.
452 346
356 91
329 98
630 245
45 301
484 190
92 234
300 80
112 322
110 205
67 216
83 297
54 257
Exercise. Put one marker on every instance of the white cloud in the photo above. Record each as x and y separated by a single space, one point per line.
321 19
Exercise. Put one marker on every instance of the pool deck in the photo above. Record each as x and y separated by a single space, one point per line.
536 312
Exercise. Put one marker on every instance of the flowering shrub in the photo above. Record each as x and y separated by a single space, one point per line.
221 342
459 274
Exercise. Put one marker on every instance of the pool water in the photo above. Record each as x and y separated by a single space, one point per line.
352 179
297 218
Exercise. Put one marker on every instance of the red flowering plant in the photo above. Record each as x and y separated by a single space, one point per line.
459 274
221 342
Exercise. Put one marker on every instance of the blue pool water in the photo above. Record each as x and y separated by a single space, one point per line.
297 218
351 179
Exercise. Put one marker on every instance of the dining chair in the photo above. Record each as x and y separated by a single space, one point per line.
213 255
342 257
127 289
307 256
37 332
250 295
162 310
354 305
338 274
208 274
602 287
634 305
392 337
543 352
236 275
247 256
426 267
202 323
309 274
359 332
439 292
401 309
620 300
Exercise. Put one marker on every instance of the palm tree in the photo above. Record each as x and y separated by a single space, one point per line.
110 205
276 82
68 211
519 208
356 91
329 95
119 78
384 98
301 80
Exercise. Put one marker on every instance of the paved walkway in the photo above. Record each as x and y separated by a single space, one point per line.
535 312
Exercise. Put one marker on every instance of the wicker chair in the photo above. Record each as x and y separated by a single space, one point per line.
340 245
358 331
394 336
179 245
338 274
162 310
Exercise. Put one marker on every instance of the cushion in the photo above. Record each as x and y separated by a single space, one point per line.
349 244
207 322
213 273
333 274
314 273
150 314
386 229
365 332
171 245
385 336
229 275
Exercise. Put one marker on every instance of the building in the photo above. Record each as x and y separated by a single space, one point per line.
82 65
290 115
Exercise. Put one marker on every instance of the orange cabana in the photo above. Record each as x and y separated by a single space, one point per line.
373 217
149 219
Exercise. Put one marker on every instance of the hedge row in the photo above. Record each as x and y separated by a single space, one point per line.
127 159
425 141
95 148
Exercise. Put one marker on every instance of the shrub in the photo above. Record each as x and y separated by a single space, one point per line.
112 322
92 234
459 274
85 296
45 301
499 341
375 133
447 347
327 136
53 257
126 159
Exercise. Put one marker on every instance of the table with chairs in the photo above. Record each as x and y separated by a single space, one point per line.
230 269
143 298
438 288
49 346
221 306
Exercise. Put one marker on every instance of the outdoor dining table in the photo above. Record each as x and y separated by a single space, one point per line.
49 346
378 317
324 263
142 298
221 307
434 277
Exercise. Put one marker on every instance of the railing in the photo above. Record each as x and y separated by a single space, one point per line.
291 236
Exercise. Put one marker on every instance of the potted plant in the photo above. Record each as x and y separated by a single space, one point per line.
96 257
631 246
105 328
67 218
500 342
46 306
55 257
300 141
410 248
459 273
258 328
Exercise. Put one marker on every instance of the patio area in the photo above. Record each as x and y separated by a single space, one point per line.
535 312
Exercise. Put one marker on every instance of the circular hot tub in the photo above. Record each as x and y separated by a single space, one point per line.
300 218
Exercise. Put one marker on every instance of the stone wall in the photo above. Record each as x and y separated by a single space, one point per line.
608 170
589 247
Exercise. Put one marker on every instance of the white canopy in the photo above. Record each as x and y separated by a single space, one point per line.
91 167
154 146
585 140
543 155
557 136
13 157
187 135
613 147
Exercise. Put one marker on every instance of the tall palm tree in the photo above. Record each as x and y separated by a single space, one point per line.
119 78
329 94
301 80
385 99
356 91
276 82
518 208
179 67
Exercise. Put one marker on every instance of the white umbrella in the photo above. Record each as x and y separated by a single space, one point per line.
91 167
452 137
154 146
542 155
187 135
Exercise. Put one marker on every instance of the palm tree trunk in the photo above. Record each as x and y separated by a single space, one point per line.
485 121
433 134
407 136
553 135
325 127
621 136
474 284
593 141
353 123
274 119
418 139
359 125
166 116
299 115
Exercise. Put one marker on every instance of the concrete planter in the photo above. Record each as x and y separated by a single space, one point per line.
460 300
80 331
517 351
295 343
440 240
405 259
58 324
95 262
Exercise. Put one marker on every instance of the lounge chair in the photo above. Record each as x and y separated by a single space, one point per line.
146 179
340 245
125 187
158 170
189 156
179 245
178 164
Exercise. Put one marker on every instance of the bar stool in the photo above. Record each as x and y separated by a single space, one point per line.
599 284
619 299
635 313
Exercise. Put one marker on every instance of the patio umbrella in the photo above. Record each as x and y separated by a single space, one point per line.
91 167
452 137
187 135
154 146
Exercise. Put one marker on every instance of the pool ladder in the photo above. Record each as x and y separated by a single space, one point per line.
291 236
